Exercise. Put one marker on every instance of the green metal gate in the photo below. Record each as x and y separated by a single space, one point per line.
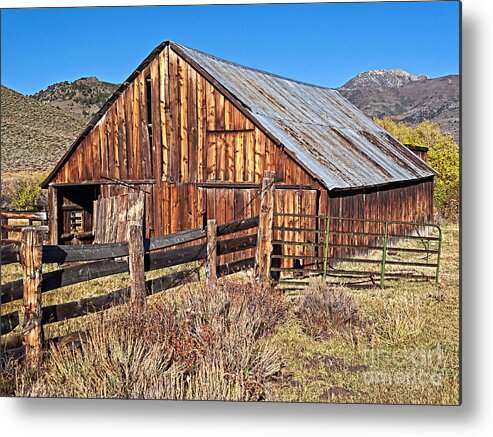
352 250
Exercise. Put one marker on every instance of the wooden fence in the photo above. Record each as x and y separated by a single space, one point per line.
136 256
12 222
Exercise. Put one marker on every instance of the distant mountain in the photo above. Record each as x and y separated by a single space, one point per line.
34 135
406 97
81 98
383 79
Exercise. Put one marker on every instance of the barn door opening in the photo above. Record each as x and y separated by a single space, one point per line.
76 213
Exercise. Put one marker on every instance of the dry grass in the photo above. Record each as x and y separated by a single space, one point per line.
196 343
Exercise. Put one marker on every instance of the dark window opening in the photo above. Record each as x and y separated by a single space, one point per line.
75 213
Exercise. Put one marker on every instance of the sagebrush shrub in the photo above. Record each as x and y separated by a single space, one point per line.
324 309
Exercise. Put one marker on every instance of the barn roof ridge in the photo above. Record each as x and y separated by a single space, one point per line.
315 124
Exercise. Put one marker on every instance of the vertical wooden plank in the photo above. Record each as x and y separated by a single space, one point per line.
129 146
228 115
120 138
211 106
259 155
113 135
211 155
249 157
201 127
103 151
156 147
221 156
174 122
211 262
31 259
229 163
239 156
166 199
270 156
238 120
136 146
88 160
79 163
264 240
183 122
219 107
164 111
145 147
95 154
202 209
193 155
174 208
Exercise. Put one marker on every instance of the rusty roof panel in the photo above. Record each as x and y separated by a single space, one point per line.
338 143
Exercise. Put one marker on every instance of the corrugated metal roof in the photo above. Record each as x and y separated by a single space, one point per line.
338 143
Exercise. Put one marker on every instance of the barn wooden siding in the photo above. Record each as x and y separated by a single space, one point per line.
175 130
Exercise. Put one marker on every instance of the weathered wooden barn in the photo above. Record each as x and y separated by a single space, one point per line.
196 133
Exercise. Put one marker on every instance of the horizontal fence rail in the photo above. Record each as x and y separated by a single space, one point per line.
101 260
12 222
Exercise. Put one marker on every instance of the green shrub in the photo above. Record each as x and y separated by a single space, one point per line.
443 156
22 193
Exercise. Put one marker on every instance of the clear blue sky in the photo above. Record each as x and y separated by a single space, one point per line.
325 44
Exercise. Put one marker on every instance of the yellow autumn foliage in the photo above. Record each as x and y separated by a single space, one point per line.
443 156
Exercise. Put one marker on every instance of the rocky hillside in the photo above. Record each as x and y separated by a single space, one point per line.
34 135
81 98
406 97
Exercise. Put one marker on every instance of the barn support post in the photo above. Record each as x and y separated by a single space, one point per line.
263 255
53 214
211 265
31 260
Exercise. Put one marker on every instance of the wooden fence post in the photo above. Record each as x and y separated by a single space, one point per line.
263 255
135 239
211 265
31 259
